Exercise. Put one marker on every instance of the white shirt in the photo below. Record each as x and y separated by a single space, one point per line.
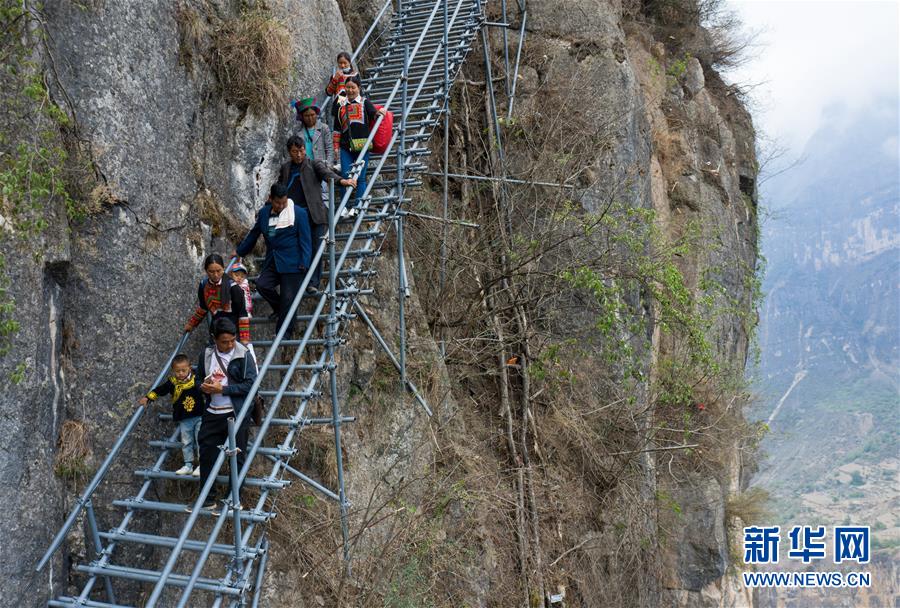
220 404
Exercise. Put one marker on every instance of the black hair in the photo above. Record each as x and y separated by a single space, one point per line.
344 55
295 141
213 258
223 325
180 358
354 78
278 190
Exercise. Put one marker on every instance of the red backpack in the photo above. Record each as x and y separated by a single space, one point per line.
383 135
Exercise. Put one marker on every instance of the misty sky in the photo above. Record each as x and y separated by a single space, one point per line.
811 54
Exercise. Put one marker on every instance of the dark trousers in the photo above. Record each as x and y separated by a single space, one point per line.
279 289
213 433
317 231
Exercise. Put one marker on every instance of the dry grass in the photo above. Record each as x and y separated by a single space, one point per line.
251 57
751 507
192 32
212 212
73 450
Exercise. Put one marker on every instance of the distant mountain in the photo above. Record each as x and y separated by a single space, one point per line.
830 328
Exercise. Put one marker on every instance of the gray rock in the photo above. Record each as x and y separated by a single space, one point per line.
693 77
99 321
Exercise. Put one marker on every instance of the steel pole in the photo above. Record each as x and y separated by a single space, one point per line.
445 232
512 95
98 547
235 493
332 377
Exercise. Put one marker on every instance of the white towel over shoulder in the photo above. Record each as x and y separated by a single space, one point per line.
285 219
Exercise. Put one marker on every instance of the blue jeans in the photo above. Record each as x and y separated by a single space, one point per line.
190 431
347 160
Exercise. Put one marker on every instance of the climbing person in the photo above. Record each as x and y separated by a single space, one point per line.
238 274
304 178
343 71
221 297
228 370
284 227
315 134
187 408
355 117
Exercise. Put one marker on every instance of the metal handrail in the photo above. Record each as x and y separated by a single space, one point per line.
95 482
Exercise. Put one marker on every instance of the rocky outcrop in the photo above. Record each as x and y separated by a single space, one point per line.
99 314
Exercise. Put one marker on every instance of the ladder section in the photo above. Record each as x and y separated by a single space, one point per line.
428 42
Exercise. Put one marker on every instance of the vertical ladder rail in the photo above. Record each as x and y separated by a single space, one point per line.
332 377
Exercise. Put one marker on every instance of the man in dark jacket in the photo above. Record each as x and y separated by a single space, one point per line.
284 225
228 371
303 179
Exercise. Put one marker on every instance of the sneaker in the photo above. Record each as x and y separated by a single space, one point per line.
185 470
196 472
211 504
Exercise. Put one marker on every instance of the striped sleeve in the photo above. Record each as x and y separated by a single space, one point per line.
244 329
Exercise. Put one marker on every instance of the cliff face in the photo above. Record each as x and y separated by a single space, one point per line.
101 306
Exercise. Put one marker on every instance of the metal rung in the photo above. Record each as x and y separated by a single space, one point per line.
407 167
267 343
172 507
369 218
409 182
152 576
457 49
433 32
312 367
176 445
292 394
409 152
399 39
290 422
363 253
371 234
73 602
256 482
299 318
418 68
354 273
346 272
256 297
139 538
376 92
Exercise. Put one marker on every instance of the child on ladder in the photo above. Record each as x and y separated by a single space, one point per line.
187 408
343 71
238 274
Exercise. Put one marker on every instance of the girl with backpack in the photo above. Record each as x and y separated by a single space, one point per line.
355 117
221 297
